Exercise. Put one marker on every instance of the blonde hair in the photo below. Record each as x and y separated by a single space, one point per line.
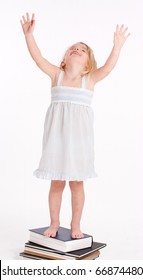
92 64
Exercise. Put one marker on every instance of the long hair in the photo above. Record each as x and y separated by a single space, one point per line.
92 64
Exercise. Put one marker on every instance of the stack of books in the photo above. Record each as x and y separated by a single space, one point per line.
61 247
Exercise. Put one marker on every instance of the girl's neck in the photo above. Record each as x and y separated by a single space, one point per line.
73 71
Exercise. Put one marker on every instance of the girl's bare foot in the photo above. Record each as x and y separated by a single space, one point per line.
76 232
52 230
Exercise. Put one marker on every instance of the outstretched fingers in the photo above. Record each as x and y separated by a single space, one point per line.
23 21
126 35
33 17
122 30
26 19
28 23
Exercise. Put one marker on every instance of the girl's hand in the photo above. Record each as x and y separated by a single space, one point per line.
28 24
120 36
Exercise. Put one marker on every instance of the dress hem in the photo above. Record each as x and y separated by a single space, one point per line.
41 174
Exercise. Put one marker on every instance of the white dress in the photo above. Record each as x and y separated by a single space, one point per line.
68 140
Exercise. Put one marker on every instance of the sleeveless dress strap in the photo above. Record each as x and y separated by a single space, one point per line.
84 80
60 78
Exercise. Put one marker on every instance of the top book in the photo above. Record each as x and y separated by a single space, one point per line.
62 241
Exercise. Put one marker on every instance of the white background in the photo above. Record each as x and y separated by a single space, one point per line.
113 208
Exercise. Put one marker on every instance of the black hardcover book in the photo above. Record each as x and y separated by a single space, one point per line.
62 241
41 251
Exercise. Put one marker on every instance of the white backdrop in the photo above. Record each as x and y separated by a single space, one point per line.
113 208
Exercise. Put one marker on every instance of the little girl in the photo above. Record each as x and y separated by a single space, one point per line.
68 140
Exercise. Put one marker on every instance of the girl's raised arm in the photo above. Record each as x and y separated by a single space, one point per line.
120 36
28 28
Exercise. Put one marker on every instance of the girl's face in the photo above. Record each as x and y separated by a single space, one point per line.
77 53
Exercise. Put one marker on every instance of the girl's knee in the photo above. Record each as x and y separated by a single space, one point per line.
58 184
74 184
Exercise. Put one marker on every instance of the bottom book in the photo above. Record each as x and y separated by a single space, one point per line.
91 256
35 251
35 256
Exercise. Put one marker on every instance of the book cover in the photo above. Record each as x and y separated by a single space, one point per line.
62 241
85 251
40 256
31 248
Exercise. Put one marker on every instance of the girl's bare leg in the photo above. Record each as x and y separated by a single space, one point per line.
77 196
55 199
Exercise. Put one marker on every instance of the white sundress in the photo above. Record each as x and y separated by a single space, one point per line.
68 139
